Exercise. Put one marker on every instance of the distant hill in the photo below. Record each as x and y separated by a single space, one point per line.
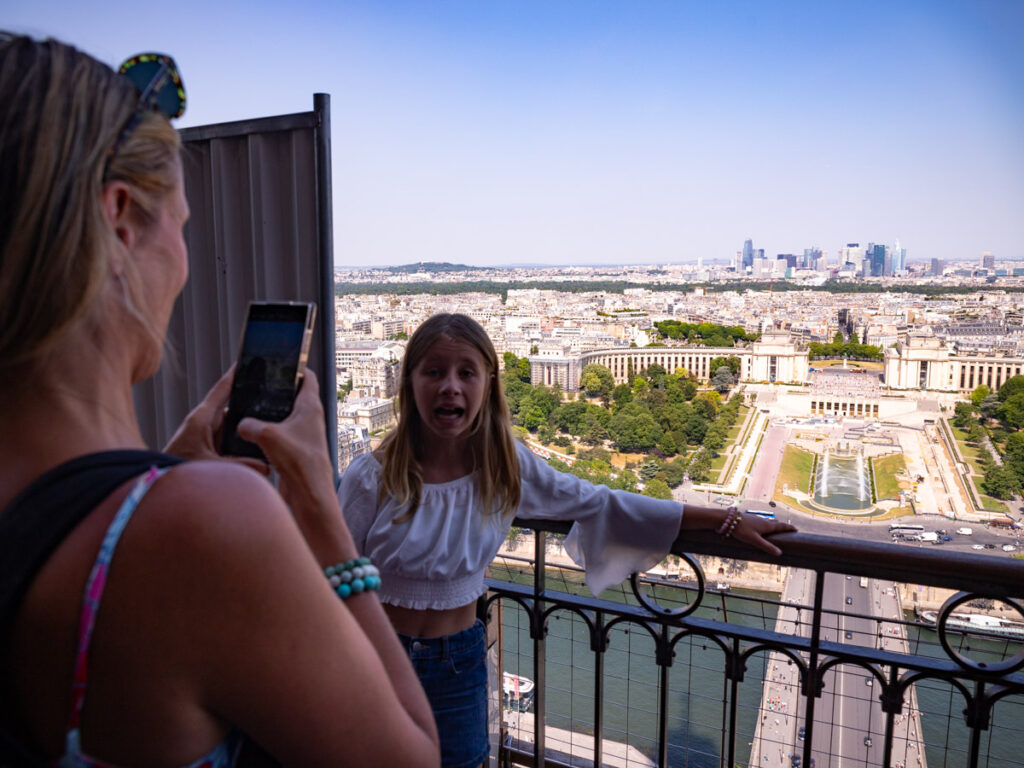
428 266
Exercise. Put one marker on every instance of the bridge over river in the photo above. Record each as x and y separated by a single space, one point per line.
849 724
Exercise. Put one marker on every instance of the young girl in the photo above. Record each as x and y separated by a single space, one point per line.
431 507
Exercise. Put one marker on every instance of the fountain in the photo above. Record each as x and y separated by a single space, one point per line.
823 481
842 481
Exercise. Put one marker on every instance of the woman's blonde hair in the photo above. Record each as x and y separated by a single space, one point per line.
61 113
492 444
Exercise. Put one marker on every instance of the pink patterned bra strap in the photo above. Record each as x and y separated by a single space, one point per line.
94 589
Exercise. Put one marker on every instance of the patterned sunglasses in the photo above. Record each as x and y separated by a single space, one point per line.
156 77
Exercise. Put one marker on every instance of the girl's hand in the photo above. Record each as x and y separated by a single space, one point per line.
199 434
752 529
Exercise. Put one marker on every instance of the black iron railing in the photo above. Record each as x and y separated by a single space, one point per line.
837 669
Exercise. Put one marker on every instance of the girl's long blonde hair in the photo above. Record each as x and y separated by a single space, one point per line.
493 446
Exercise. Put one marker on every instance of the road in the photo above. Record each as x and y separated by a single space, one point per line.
849 725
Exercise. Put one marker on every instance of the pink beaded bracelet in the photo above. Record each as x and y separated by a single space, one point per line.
732 526
730 518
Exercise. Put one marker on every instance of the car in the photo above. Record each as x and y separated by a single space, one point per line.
1008 548
867 741
868 681
800 733
947 538
990 546
796 761
849 600
772 504
849 635
977 546
849 577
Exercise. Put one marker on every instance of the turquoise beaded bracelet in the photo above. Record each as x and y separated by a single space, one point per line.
353 576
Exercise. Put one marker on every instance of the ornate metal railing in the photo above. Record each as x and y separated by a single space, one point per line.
774 673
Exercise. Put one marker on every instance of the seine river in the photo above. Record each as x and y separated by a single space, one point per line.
697 685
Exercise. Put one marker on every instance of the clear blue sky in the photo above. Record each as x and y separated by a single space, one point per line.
635 131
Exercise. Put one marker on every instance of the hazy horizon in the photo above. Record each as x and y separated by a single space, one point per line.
605 133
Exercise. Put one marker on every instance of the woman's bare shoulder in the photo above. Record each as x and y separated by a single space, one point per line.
213 504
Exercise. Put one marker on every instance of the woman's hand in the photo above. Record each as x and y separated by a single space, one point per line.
199 434
752 529
297 450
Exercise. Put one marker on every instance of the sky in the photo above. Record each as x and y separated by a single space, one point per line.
499 132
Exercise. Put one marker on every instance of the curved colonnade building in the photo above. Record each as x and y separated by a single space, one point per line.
776 357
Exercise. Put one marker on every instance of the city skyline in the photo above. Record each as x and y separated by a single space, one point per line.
578 133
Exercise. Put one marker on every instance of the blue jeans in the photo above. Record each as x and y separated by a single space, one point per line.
453 671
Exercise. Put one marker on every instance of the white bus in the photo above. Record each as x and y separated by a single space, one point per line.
905 528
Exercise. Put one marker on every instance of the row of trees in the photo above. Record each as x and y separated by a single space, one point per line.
706 334
839 348
998 416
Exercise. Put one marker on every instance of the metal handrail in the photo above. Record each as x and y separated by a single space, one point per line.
982 686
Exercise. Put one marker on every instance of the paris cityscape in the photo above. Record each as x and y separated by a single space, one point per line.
860 395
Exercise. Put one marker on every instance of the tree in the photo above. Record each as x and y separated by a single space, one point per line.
734 364
695 427
673 472
649 469
568 417
963 414
974 433
596 380
657 489
1012 386
667 445
633 428
700 466
722 381
516 367
708 401
1000 482
531 417
838 339
1012 411
989 406
656 373
622 394
979 394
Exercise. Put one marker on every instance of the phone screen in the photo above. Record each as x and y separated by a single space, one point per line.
273 354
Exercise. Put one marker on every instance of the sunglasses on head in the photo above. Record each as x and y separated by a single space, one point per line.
158 82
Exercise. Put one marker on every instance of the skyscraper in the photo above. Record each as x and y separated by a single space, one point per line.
899 257
937 267
748 253
988 261
877 255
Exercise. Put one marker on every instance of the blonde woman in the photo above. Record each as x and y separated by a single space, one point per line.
433 504
155 611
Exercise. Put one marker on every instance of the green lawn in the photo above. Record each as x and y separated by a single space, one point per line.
969 452
795 471
886 469
989 503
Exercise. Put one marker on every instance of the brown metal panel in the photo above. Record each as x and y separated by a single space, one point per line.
257 190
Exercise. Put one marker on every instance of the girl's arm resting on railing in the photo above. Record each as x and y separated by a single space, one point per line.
750 529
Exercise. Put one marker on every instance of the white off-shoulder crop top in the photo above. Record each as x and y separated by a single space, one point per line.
437 558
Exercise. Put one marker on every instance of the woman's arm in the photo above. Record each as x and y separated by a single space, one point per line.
296 449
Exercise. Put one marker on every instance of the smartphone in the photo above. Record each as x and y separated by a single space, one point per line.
271 361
